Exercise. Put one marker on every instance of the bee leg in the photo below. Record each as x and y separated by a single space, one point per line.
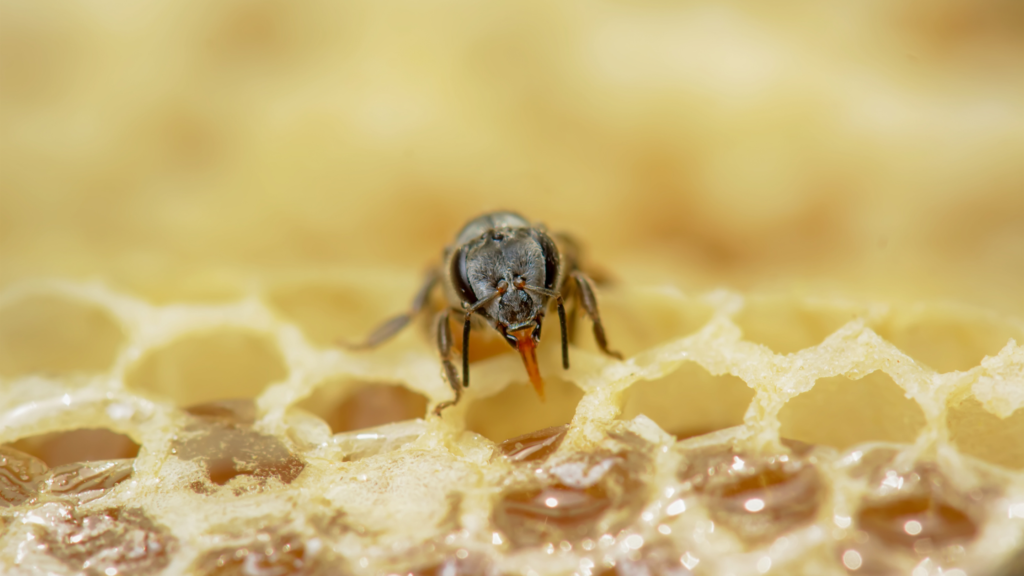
392 326
589 302
444 348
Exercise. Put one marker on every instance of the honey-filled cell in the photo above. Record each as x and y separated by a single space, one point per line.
841 412
82 445
690 401
209 366
346 405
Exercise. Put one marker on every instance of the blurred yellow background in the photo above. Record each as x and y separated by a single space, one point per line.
868 148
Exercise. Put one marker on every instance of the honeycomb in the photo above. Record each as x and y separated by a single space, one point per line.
743 434
808 217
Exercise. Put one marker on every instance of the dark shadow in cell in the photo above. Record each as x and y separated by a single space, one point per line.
977 432
52 334
947 341
690 401
208 367
347 405
786 326
517 410
83 445
221 438
840 412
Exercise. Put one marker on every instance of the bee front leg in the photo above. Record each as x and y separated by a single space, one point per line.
392 326
589 302
444 348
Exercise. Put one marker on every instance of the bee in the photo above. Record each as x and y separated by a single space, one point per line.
503 272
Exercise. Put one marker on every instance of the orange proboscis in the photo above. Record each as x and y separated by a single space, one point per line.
528 350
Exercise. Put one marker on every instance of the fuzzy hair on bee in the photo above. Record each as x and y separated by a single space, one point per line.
502 272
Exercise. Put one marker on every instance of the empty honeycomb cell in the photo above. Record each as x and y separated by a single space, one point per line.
690 401
517 410
347 405
56 335
805 325
841 412
207 367
947 341
981 434
83 445
635 323
333 313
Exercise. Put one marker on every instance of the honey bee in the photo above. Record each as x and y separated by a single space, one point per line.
504 272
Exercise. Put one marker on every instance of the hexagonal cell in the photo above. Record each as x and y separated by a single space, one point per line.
347 405
83 445
690 401
841 412
210 366
948 341
986 436
46 333
787 326
635 323
517 410
332 313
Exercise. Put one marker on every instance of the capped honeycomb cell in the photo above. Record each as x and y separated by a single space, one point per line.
51 334
207 367
109 541
20 476
690 401
271 552
841 412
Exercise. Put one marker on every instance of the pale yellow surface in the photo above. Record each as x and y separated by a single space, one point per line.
813 215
